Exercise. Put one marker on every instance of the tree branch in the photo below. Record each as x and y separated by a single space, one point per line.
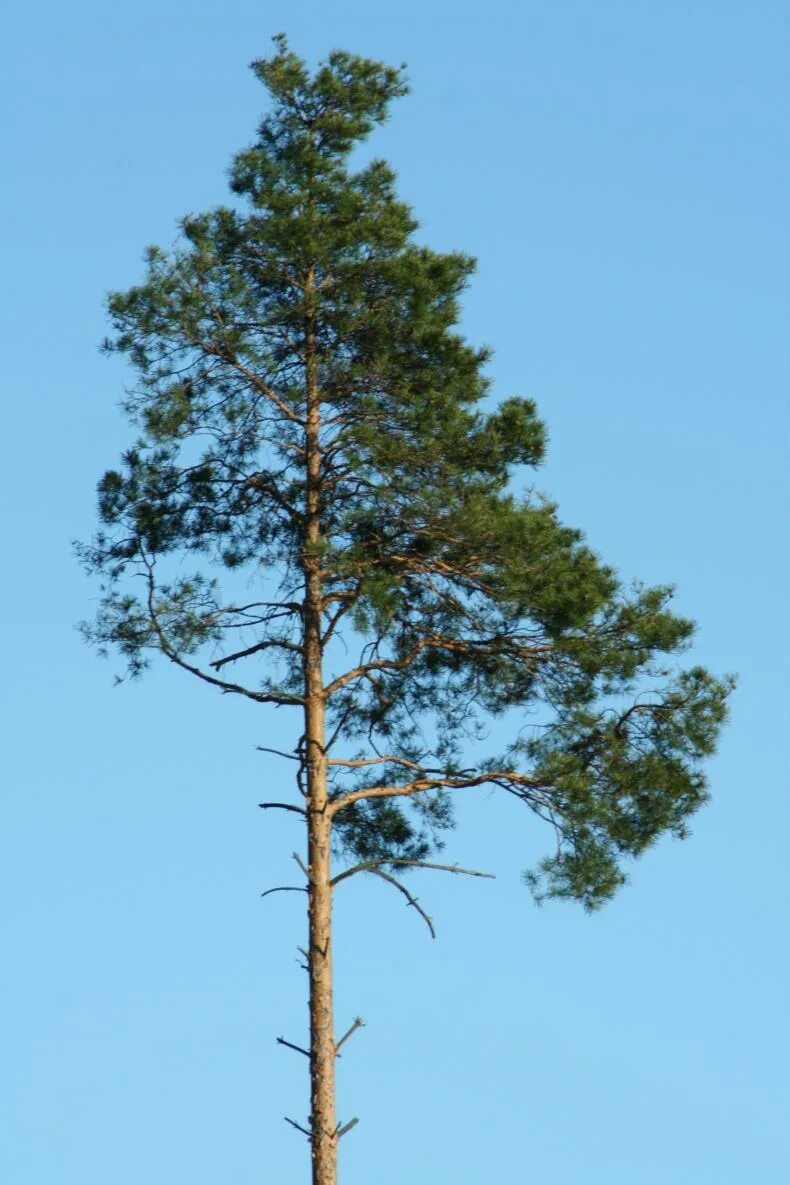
391 880
358 1024
301 864
266 645
259 697
387 759
499 644
370 865
277 753
420 785
290 1045
298 1127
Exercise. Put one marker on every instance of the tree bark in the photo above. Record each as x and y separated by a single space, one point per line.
323 1122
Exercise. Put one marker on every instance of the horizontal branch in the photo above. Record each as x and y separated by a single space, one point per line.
277 753
302 865
282 806
485 647
504 778
290 1045
285 889
389 759
395 861
298 1127
256 649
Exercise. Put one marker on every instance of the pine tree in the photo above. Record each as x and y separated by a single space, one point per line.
312 437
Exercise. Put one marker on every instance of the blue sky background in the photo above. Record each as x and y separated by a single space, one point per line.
621 171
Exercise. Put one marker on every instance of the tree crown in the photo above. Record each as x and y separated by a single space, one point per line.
445 596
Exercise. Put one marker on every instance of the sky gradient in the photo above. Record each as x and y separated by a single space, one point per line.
621 172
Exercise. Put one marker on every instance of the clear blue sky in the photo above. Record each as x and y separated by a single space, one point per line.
621 170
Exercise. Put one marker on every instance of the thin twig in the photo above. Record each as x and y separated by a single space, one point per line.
498 777
385 876
168 651
341 1131
282 806
372 865
443 868
290 1045
285 889
300 862
277 752
358 1024
298 1127
267 644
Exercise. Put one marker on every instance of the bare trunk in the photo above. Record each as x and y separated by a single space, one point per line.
323 1123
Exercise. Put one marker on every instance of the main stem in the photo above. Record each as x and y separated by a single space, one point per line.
323 1122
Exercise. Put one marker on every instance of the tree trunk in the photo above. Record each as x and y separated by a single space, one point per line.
323 1123
322 1033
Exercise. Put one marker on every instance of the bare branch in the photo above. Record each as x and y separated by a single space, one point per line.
482 647
277 753
290 1045
260 697
285 889
300 862
298 1127
358 1024
389 759
282 806
341 1131
391 880
266 645
369 865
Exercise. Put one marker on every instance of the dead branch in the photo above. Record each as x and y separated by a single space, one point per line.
391 880
267 644
388 759
259 697
369 865
290 1045
298 1127
358 1024
277 753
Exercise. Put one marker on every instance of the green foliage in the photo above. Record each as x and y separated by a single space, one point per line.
458 598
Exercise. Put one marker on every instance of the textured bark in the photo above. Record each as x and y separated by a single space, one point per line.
322 1042
323 1122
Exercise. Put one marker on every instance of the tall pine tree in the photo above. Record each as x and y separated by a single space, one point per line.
312 448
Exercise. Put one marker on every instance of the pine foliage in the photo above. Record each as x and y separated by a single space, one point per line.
456 598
